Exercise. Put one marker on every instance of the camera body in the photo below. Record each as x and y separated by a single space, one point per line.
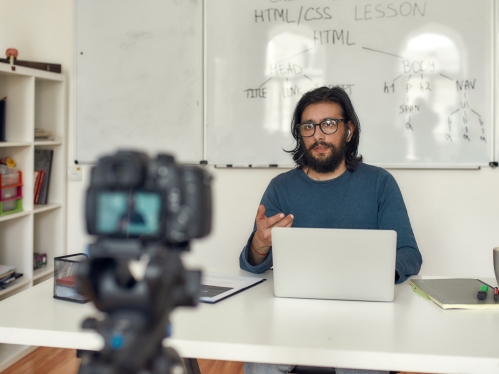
132 196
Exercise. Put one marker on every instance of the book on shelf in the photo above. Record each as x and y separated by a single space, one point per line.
7 275
6 271
43 134
35 184
38 178
43 162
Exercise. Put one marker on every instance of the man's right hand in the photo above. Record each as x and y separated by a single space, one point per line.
262 240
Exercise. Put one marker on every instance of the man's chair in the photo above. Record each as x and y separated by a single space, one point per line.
318 370
312 370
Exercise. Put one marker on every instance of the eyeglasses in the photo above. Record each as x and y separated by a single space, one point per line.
328 126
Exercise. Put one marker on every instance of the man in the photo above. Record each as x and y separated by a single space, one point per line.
330 188
132 221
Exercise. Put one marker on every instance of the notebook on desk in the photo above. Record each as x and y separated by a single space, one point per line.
335 264
455 293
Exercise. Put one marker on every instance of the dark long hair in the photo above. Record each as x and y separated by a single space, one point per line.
336 95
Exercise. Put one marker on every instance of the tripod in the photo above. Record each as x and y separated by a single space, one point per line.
136 307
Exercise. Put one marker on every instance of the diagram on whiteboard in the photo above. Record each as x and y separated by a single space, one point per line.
419 79
415 85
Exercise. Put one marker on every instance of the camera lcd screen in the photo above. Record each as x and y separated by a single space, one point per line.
128 213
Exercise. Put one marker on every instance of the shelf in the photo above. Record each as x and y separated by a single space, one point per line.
14 144
47 142
39 273
15 215
5 69
18 283
27 144
11 353
45 207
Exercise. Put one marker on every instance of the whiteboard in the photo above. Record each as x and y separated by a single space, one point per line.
419 73
139 84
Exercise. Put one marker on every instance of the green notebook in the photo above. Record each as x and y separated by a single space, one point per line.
455 293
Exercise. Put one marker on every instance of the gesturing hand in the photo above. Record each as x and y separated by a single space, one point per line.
262 240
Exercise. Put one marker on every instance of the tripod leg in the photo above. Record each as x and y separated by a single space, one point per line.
191 365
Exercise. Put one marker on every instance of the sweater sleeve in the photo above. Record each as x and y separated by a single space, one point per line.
392 215
271 202
245 264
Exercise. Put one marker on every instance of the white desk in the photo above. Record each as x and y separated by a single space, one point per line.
410 334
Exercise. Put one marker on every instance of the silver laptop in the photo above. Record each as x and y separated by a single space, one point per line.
334 263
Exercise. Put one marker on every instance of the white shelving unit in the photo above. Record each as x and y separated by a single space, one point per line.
35 98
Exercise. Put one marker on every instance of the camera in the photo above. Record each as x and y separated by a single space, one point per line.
144 212
133 196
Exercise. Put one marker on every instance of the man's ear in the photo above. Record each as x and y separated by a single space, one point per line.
350 130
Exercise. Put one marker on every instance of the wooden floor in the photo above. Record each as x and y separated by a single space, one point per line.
63 361
46 360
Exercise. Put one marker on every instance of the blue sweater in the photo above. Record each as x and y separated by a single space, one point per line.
367 198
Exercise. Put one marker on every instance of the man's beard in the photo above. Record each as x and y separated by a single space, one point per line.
324 164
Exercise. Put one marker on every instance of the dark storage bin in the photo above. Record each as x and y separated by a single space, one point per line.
65 271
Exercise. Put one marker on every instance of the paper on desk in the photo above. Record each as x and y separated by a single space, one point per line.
215 287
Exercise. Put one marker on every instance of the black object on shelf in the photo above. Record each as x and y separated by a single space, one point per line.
7 280
39 260
2 120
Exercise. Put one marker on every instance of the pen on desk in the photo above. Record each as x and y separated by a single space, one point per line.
496 294
482 294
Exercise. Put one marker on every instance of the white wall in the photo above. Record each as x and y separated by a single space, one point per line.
454 213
